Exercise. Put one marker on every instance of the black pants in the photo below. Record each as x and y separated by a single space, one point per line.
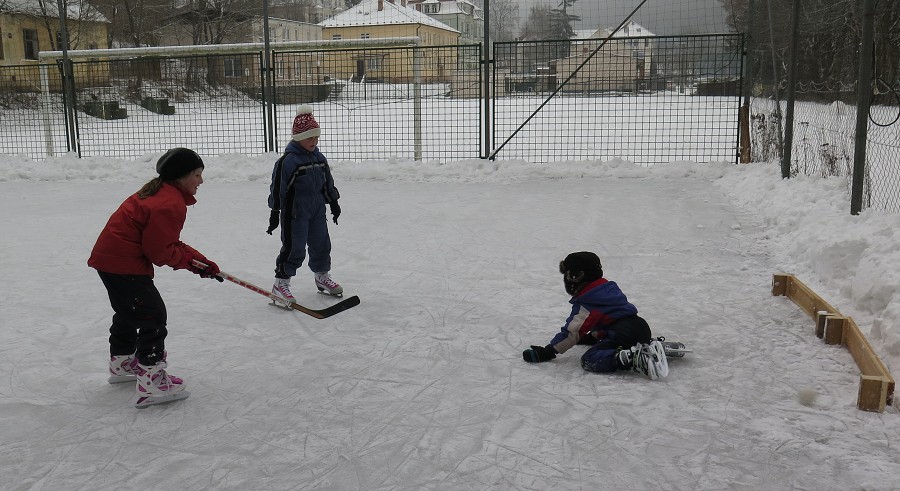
624 333
139 322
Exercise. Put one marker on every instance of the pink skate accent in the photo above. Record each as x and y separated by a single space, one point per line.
324 282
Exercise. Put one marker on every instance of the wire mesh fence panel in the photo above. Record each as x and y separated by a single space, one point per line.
32 111
644 99
417 103
211 104
881 184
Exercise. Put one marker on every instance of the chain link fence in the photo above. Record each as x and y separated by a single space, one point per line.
647 100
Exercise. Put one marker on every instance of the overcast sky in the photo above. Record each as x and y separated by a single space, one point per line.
662 17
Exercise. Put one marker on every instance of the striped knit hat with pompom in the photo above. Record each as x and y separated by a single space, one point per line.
305 125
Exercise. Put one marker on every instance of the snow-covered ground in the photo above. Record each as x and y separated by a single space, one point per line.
422 386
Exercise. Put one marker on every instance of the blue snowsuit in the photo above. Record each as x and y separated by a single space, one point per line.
301 187
602 317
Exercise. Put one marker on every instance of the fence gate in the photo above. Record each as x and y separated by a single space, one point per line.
644 99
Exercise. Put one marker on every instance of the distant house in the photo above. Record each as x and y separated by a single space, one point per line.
28 27
623 64
376 19
462 15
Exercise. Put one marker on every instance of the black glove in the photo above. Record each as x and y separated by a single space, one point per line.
335 211
273 221
537 354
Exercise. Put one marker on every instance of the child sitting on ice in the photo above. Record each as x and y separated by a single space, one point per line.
603 318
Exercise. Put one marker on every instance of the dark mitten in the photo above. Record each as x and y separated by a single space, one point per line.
211 270
537 354
273 221
335 211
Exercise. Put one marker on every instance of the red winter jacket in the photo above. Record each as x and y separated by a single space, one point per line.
144 232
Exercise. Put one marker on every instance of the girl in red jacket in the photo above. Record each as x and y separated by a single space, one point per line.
144 231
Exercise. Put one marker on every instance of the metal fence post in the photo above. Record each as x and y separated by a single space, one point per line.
863 100
485 84
267 92
417 102
68 81
792 81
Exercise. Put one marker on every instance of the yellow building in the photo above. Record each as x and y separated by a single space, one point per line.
25 31
378 19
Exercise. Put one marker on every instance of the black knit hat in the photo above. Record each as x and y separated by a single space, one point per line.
177 162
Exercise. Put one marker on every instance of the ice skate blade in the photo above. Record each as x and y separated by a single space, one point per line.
280 304
147 401
339 294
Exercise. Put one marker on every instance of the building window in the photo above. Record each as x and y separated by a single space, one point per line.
373 63
233 67
336 37
432 8
30 39
365 35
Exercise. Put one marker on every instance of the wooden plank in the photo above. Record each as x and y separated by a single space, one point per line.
868 362
806 299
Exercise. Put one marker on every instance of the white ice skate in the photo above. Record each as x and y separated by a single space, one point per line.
155 386
282 290
327 285
647 358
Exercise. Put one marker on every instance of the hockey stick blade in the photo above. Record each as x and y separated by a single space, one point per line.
317 313
337 308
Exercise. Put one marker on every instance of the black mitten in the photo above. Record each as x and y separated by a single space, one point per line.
335 211
273 221
537 354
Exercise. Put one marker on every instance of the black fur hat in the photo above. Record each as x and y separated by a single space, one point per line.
178 162
579 268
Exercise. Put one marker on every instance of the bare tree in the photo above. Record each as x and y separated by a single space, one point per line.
504 20
829 39
133 22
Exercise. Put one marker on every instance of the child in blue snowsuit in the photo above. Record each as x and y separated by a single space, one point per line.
301 187
601 317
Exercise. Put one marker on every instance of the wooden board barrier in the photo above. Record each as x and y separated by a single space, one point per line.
876 386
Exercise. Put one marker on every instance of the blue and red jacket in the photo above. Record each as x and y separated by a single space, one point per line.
595 309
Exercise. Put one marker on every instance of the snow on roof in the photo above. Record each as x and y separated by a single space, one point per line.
51 9
367 14
632 29
585 34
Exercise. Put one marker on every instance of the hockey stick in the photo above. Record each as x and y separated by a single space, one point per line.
317 313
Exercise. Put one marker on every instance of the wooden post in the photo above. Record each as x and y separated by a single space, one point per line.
834 329
873 393
780 284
